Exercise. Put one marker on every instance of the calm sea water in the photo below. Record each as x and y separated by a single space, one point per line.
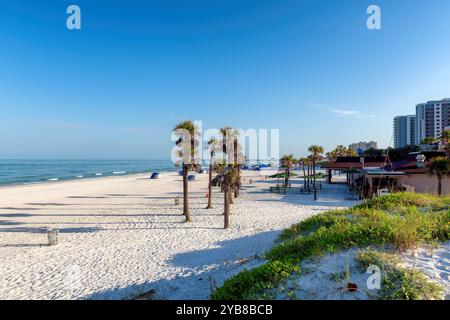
31 171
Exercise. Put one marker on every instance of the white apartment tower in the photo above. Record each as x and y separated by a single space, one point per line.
432 118
404 131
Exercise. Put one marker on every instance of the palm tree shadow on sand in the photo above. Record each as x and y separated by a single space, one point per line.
335 195
200 271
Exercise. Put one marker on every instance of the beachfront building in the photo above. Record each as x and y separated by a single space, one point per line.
404 131
431 119
371 176
360 147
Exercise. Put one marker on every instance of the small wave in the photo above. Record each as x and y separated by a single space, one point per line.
53 179
79 176
99 174
119 172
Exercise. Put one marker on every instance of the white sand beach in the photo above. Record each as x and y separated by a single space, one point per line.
122 236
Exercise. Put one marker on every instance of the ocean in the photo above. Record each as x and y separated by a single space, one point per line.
13 172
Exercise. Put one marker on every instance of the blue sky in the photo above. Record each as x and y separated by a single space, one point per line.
116 88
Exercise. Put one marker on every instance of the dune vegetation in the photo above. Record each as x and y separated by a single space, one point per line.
401 222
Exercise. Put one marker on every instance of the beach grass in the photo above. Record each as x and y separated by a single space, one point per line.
403 221
399 283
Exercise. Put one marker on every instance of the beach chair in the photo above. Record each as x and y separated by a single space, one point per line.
191 177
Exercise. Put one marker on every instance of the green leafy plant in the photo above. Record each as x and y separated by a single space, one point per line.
250 284
402 221
399 283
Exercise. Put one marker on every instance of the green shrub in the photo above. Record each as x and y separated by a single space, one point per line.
250 284
384 260
403 220
409 284
406 230
404 199
311 224
399 283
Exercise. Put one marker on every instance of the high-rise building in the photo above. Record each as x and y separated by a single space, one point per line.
404 131
431 119
360 147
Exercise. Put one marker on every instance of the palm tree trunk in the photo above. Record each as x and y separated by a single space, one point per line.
309 177
304 178
314 180
185 194
225 199
227 196
286 180
237 191
439 186
236 167
209 206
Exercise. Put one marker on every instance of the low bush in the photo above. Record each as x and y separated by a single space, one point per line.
399 283
401 220
405 199
250 284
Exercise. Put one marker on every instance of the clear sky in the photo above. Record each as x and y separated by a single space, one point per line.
116 88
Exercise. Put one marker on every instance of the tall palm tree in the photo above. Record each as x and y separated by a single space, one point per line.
304 163
187 133
238 161
225 140
309 172
228 185
316 154
213 146
231 157
287 162
439 166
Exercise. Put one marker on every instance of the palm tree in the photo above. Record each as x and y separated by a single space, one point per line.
220 168
231 157
316 153
304 162
340 151
225 140
229 183
445 137
230 138
213 146
187 133
287 162
309 172
237 157
429 140
439 166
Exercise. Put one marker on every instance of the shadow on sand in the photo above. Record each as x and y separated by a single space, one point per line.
201 270
44 230
334 195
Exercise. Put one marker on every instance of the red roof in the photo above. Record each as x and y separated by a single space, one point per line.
350 165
